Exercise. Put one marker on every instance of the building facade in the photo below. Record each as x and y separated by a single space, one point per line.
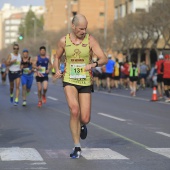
125 7
10 19
10 27
59 13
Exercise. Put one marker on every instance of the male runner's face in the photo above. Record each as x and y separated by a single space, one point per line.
25 54
16 49
80 30
42 52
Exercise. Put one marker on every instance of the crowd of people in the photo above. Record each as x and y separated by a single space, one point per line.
133 76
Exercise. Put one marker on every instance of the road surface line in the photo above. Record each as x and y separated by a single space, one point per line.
107 130
113 117
52 98
164 134
129 97
162 151
39 168
38 163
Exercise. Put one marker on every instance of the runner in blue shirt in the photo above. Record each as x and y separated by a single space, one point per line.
109 70
27 75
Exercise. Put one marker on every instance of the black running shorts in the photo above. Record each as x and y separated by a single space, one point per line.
80 89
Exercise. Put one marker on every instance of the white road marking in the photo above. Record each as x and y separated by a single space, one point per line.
164 134
162 151
19 154
35 92
39 168
101 154
113 117
38 163
52 98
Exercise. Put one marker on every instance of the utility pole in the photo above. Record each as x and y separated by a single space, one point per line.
105 25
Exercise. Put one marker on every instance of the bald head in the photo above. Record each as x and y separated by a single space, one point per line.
79 18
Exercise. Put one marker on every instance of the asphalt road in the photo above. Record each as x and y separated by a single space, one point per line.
125 133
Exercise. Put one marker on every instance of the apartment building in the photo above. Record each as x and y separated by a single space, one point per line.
125 7
11 26
59 13
10 19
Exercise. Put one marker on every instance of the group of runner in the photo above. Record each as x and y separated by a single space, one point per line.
130 75
21 68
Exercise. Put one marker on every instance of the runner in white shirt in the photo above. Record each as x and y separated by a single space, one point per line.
13 61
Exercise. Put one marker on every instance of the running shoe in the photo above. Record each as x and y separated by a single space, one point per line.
24 103
76 153
39 104
83 132
16 103
11 99
44 100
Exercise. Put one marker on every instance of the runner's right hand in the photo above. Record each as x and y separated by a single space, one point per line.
58 74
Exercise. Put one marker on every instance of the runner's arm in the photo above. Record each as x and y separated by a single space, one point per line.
59 52
34 63
96 49
9 62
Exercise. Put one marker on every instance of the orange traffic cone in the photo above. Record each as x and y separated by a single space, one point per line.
154 95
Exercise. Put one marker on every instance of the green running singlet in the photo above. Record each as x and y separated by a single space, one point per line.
77 57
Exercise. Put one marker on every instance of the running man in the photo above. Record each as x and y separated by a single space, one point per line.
133 76
41 64
27 75
3 71
109 71
77 77
166 76
14 61
158 67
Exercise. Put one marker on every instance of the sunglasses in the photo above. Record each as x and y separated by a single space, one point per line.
16 48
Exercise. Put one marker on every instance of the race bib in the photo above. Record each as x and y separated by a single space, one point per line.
17 63
26 70
42 70
77 71
3 69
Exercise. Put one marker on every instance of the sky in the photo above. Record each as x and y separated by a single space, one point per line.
19 3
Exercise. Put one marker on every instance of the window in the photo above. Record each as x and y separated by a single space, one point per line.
14 34
101 14
14 28
7 28
15 21
130 9
7 22
74 13
116 13
7 34
122 10
7 41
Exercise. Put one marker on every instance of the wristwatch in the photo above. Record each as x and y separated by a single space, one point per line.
96 63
